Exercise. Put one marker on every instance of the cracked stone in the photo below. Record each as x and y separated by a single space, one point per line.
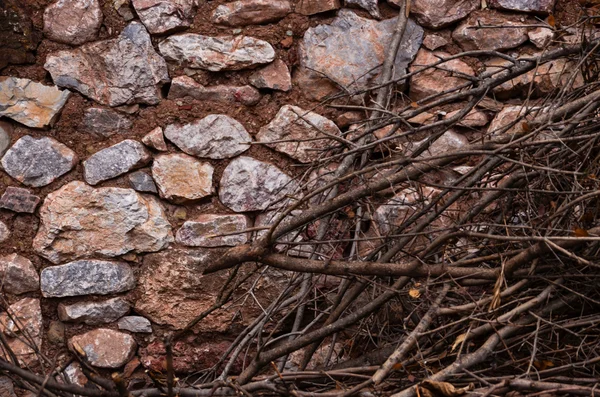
93 313
19 200
184 86
115 160
163 16
199 232
369 5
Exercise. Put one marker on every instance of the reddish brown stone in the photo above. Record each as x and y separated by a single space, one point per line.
470 36
251 12
105 348
275 76
184 86
19 200
438 14
73 21
311 7
23 326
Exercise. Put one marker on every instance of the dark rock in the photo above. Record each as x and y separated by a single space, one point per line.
142 182
18 38
104 122
114 161
135 324
19 200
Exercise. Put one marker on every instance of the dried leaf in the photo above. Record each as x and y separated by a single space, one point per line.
79 349
414 293
579 232
525 126
397 366
543 364
446 389
414 105
551 20
459 339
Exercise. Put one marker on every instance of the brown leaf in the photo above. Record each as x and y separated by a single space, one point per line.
446 389
414 293
551 20
459 339
579 232
543 364
525 126
414 105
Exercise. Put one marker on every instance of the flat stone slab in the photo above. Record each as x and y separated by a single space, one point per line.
86 277
441 13
535 6
181 178
18 275
136 324
184 86
163 16
251 12
106 348
114 161
204 231
19 200
93 313
104 122
508 35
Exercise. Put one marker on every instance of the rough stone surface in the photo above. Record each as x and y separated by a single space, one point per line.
184 86
251 185
510 120
275 76
349 51
17 275
475 118
4 232
56 333
30 103
155 139
400 207
311 7
441 13
251 12
296 125
104 122
537 6
369 5
470 37
433 41
19 200
6 387
216 136
94 313
18 38
181 178
24 324
217 53
106 348
120 71
135 324
38 161
86 277
78 220
114 161
162 16
73 21
142 182
199 232
6 130
435 80
449 141
540 37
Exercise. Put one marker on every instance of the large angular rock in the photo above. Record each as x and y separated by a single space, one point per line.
217 53
104 122
216 136
19 200
441 13
17 274
251 12
304 131
537 6
162 16
155 139
251 185
106 348
30 103
184 86
86 277
94 313
142 182
275 76
120 71
23 330
38 162
135 324
512 120
439 79
350 51
114 161
73 21
18 38
205 231
78 221
181 178
470 36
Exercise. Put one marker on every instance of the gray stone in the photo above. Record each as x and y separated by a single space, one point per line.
470 37
302 130
19 200
106 348
135 324
217 53
204 231
155 139
181 178
163 16
251 12
123 8
275 76
142 182
38 162
369 5
17 275
4 232
114 161
184 86
251 185
104 122
80 221
86 277
94 313
73 21
537 6
22 329
6 130
216 136
124 70
30 103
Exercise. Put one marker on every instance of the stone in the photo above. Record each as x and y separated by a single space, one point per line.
4 232
22 329
80 221
163 16
181 178
251 12
135 324
540 37
433 41
184 86
248 184
94 313
448 142
311 7
6 387
441 13
104 122
217 53
19 200
6 130
17 275
200 231
510 120
105 348
120 71
73 21
86 277
216 136
275 76
536 6
369 5
434 81
142 182
469 36
349 52
38 162
18 37
475 118
114 161
123 8
56 333
75 375
34 104
155 140
304 131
